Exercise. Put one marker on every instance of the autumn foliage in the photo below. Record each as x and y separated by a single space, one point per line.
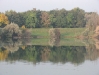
3 54
45 19
3 19
23 27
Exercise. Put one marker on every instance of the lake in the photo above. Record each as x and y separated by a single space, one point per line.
35 57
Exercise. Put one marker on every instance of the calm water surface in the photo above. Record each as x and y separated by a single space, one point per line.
24 59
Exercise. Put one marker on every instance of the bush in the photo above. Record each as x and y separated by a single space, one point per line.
11 30
54 36
26 33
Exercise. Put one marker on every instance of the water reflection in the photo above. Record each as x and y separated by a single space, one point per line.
24 50
69 57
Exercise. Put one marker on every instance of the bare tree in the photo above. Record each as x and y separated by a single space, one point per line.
92 20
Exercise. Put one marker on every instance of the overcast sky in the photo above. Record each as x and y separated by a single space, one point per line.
24 5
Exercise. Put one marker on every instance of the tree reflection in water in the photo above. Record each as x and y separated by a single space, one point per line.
16 50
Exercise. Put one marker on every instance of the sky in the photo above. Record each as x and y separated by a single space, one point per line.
24 5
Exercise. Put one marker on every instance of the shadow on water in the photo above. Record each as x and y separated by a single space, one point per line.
28 50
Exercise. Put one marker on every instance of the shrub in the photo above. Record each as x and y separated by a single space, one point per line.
11 30
26 33
54 36
23 27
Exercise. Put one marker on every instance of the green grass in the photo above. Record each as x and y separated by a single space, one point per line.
71 32
67 36
65 32
40 41
43 32
71 42
63 42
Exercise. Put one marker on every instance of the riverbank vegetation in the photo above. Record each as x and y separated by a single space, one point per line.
29 20
62 18
55 36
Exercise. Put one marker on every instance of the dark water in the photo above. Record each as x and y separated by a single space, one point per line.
27 59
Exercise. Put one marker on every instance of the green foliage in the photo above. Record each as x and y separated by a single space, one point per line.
30 19
15 17
69 19
58 18
62 18
78 17
75 18
54 54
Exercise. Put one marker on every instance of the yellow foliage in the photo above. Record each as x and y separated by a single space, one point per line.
23 27
3 19
23 47
3 54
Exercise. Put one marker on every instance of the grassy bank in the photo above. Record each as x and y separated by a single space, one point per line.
63 42
65 32
67 36
71 32
42 32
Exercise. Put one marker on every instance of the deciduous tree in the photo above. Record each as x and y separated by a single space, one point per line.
3 19
45 19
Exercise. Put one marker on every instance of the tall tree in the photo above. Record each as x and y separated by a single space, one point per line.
78 18
92 20
15 17
30 19
38 15
45 19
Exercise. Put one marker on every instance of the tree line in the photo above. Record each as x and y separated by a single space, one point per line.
75 18
38 53
62 54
